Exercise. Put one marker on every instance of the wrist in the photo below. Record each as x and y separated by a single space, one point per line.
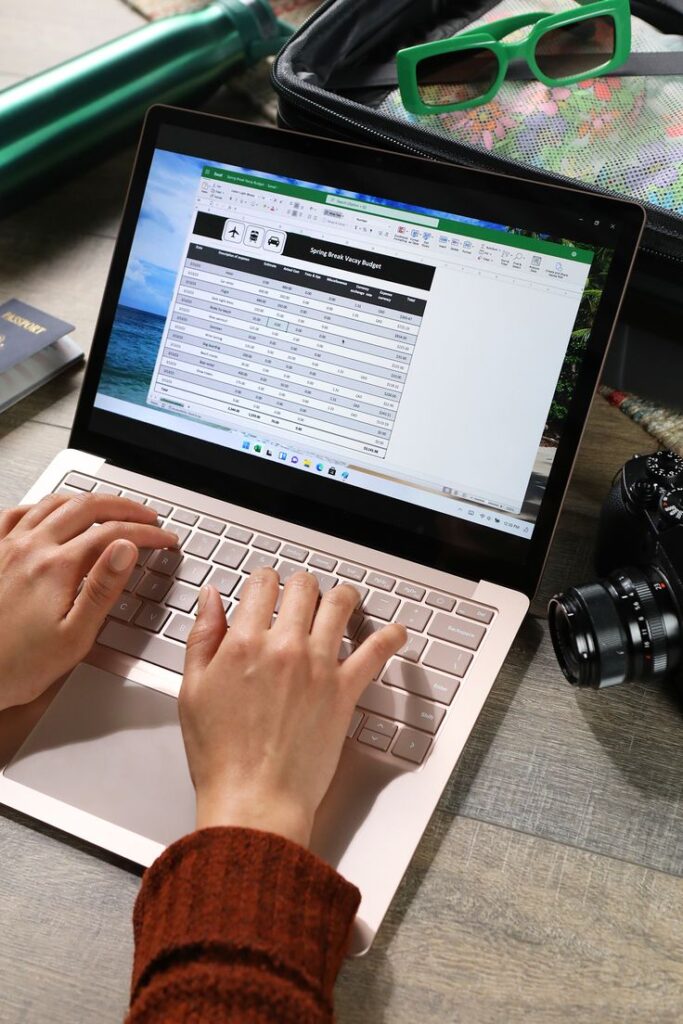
277 816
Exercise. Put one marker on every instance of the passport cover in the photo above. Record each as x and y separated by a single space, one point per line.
25 330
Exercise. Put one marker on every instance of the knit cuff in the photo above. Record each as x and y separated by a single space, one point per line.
240 893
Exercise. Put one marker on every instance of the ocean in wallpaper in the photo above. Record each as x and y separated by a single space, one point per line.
131 354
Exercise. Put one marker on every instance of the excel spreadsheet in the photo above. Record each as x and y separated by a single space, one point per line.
286 347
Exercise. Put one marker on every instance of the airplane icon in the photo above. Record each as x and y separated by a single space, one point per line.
233 231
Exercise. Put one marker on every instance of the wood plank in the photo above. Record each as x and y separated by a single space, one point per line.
599 770
36 35
66 939
490 926
25 450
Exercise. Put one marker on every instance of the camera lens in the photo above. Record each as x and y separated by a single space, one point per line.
625 627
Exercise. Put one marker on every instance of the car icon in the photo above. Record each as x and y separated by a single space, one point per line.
273 240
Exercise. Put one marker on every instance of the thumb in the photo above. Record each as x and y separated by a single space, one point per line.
207 632
102 588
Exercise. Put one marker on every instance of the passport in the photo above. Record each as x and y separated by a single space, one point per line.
25 330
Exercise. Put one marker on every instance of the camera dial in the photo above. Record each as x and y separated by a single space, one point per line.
664 466
671 505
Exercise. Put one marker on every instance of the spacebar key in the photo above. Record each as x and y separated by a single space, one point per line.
415 711
143 645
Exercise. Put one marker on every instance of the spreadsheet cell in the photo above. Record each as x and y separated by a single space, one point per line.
312 354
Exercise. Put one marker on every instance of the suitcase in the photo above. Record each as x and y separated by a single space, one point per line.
613 135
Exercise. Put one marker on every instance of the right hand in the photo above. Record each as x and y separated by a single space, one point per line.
265 708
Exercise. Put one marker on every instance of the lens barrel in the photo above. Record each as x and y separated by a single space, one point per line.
625 627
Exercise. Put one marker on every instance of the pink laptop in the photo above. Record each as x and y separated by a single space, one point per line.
313 355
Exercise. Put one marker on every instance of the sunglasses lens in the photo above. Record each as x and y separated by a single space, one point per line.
456 77
576 48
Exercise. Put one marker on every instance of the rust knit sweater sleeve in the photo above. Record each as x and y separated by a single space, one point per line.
235 925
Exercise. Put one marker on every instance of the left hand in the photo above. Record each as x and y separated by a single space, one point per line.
46 624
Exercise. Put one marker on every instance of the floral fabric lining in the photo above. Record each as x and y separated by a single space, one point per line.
623 134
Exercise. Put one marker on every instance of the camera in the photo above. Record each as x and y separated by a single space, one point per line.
629 625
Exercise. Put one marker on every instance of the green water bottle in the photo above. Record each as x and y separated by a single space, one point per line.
71 114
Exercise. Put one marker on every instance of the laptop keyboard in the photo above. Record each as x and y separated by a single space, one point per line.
402 709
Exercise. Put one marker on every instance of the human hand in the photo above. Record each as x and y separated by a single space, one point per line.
47 626
265 708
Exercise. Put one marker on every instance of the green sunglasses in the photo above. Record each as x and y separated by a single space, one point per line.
468 69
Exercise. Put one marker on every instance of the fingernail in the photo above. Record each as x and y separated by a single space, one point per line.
170 533
203 598
122 556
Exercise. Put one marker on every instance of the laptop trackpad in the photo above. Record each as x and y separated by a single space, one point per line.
114 749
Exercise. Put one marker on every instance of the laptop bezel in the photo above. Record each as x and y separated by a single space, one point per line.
450 544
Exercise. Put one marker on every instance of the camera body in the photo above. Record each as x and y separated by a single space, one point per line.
641 522
629 624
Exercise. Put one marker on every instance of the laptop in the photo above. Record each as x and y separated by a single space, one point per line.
316 355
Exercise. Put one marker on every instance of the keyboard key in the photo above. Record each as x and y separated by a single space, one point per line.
135 577
410 590
211 525
143 555
368 627
411 746
345 648
259 560
181 515
317 561
83 483
362 591
325 582
162 508
448 659
240 534
154 587
134 496
458 631
192 571
152 616
441 601
180 628
413 647
413 711
165 562
182 597
125 608
133 641
103 488
420 681
351 572
224 581
414 616
229 554
381 581
182 532
383 725
356 719
294 552
202 545
266 543
381 605
374 739
353 625
287 569
475 611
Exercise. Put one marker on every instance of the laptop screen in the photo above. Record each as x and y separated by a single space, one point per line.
415 346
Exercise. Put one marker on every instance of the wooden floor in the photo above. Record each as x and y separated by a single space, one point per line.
547 887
